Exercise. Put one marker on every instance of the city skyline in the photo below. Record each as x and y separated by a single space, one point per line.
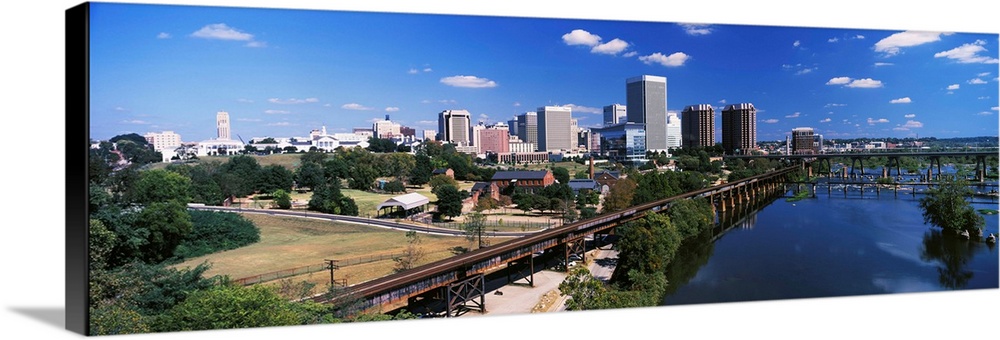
286 72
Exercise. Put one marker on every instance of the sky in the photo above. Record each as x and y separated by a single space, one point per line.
284 72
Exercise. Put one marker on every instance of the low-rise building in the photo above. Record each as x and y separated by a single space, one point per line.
531 181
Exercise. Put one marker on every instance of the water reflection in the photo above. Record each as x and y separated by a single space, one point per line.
952 253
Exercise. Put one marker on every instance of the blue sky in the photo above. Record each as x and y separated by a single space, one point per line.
286 72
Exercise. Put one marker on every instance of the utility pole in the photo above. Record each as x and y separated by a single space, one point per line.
332 265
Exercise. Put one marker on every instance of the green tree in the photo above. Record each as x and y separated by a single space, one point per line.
691 216
420 174
310 175
945 207
164 224
440 180
231 306
213 231
648 244
274 177
242 172
329 199
394 186
160 186
474 227
619 196
282 199
582 174
525 202
361 177
449 201
411 255
100 244
561 174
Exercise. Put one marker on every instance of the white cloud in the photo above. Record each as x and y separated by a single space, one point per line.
904 100
586 109
875 121
983 74
883 64
859 36
468 81
135 121
428 69
614 46
163 35
247 119
834 105
867 83
794 115
412 71
355 106
697 29
912 124
448 101
909 115
221 32
825 120
516 104
581 37
976 81
839 81
630 54
676 59
893 44
796 43
723 101
900 128
256 44
770 121
292 100
425 101
968 54
832 40
995 108
277 112
953 87
985 113
120 109
391 109
281 124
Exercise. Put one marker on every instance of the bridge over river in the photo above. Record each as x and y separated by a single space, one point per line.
460 280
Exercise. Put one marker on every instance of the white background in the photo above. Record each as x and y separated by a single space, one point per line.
33 241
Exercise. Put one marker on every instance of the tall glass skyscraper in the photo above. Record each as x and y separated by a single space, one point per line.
454 127
646 103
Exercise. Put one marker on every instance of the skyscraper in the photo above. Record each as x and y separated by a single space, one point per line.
739 129
222 125
673 130
454 126
802 141
698 126
646 103
614 114
527 127
553 128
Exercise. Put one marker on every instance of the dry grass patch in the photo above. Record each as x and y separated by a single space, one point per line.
289 242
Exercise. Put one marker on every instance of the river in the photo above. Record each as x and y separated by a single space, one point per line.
831 245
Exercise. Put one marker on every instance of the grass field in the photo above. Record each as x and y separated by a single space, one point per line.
288 242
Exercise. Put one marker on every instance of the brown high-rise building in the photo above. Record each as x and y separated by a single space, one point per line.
802 141
698 126
739 129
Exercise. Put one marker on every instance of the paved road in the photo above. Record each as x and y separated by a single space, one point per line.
390 224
